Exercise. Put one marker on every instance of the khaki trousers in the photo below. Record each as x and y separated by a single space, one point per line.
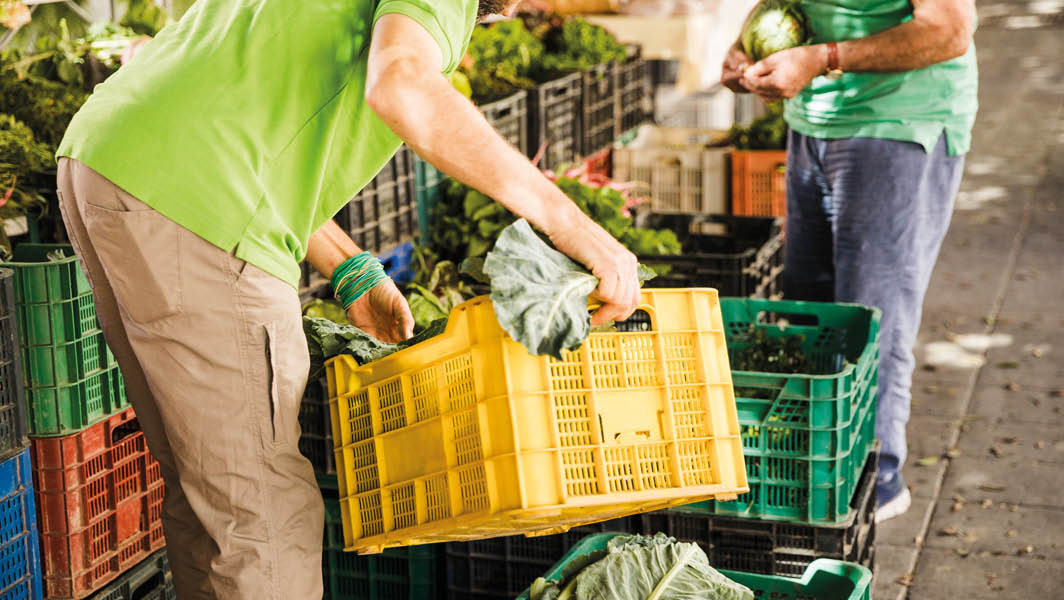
215 362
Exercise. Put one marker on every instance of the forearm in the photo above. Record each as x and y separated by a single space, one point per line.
939 31
426 111
328 247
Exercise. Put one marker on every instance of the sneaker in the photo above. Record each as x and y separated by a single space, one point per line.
897 505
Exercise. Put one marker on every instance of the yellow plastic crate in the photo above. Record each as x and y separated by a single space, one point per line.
468 436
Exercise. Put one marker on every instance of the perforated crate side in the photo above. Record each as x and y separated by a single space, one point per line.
384 214
635 94
316 441
12 394
509 116
149 580
746 261
38 279
600 109
759 183
20 568
502 567
67 409
554 111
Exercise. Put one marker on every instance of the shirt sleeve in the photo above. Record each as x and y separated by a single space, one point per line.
445 20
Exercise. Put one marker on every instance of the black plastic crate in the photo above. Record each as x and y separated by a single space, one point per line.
316 441
599 108
503 567
744 259
635 93
509 117
384 214
149 580
12 394
776 547
554 114
664 72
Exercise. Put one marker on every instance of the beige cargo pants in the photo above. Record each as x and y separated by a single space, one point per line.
215 362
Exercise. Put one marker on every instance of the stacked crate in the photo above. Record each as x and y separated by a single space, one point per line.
98 491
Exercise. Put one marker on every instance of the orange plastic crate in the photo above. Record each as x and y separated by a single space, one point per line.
759 183
99 501
468 436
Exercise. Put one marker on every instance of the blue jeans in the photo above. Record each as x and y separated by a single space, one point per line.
865 221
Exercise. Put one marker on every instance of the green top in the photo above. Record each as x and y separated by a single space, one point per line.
915 106
246 122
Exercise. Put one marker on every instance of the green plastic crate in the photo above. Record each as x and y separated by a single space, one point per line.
38 279
46 323
65 363
66 409
149 580
396 574
805 437
824 579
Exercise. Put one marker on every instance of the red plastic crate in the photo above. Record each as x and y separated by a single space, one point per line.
759 183
99 502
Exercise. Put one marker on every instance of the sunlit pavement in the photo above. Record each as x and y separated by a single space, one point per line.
986 439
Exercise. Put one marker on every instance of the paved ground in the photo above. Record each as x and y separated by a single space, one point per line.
986 463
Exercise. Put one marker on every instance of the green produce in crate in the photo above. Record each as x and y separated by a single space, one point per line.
325 309
773 26
636 567
774 355
767 132
579 45
326 339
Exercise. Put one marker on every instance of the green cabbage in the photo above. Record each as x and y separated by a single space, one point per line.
773 26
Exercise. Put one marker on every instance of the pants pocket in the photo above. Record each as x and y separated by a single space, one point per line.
141 255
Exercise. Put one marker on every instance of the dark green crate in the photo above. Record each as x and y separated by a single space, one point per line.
396 574
429 187
824 579
66 409
65 363
46 323
37 279
315 440
149 580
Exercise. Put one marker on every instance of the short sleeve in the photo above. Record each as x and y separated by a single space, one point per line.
448 21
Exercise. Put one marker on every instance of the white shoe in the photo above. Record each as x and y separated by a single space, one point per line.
897 505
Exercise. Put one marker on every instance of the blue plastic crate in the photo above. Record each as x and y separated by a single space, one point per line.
397 262
20 562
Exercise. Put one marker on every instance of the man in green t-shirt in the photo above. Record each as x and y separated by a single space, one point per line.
880 105
192 183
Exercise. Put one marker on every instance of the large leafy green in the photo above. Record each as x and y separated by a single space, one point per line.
326 339
539 295
637 567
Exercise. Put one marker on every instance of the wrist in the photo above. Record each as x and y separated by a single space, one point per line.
356 276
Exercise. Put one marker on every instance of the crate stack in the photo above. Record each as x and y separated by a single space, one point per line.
98 492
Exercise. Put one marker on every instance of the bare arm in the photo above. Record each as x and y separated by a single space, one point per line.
407 90
940 30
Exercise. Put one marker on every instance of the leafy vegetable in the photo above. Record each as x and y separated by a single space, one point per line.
637 567
325 309
767 132
773 26
578 45
326 339
436 289
773 355
539 294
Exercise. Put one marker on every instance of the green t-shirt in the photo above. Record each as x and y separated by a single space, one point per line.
246 121
915 106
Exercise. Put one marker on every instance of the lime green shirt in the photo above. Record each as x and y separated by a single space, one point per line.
914 106
246 121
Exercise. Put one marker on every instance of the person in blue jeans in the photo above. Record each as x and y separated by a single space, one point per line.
880 106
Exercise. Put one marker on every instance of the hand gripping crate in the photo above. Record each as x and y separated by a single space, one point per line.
805 436
12 396
759 183
99 500
384 214
509 117
679 169
600 107
396 574
20 562
149 580
823 579
467 436
743 258
554 114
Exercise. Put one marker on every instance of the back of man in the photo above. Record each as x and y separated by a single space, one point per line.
880 106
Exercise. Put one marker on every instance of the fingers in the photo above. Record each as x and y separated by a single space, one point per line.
404 320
